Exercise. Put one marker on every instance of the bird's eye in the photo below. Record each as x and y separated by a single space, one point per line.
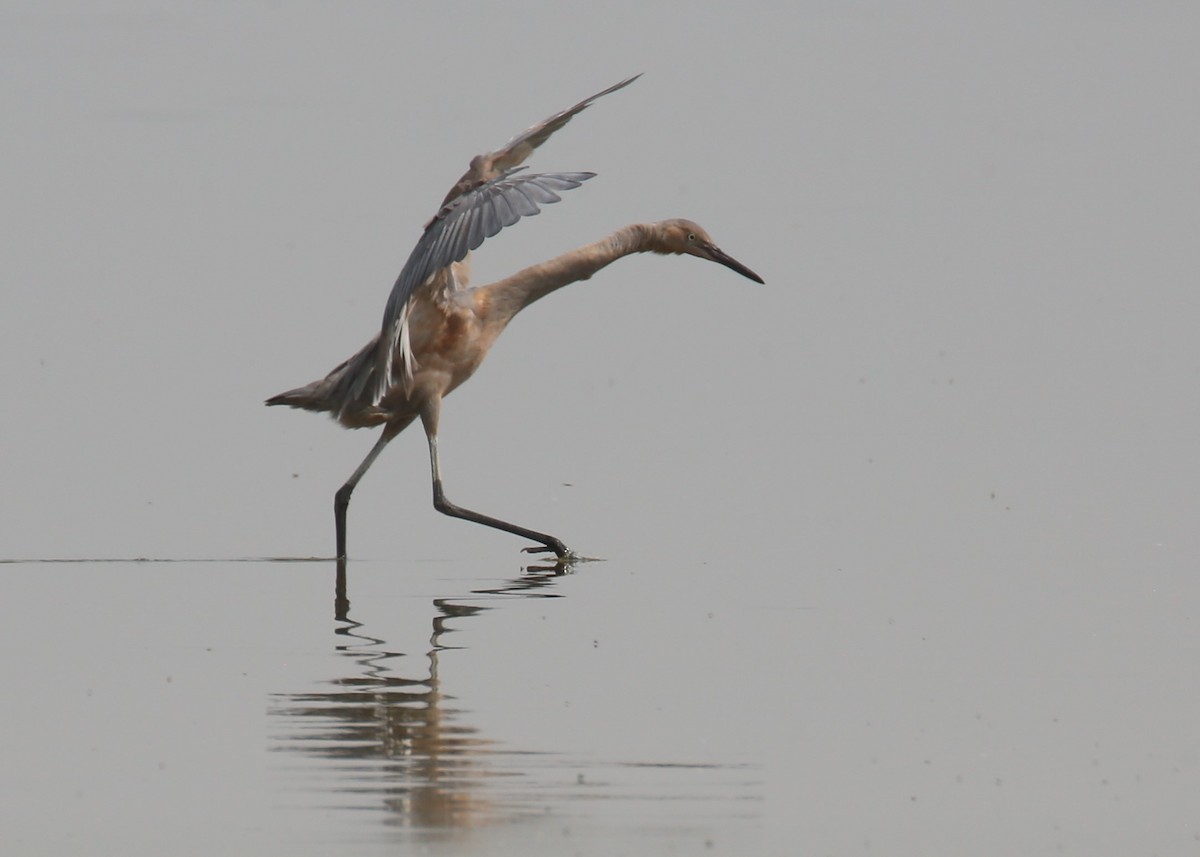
691 237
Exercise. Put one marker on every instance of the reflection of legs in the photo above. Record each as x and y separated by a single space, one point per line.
429 418
341 500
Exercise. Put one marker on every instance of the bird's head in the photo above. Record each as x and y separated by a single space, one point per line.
684 236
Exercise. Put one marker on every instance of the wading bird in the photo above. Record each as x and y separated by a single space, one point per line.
436 330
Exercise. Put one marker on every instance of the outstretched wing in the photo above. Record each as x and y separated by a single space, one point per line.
460 227
515 151
483 201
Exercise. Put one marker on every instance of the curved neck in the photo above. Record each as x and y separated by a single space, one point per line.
505 298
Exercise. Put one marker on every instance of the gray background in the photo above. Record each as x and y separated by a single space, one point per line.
900 547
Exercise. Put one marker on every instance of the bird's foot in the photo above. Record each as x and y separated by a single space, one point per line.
555 547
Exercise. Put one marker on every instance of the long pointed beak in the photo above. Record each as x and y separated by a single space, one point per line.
716 254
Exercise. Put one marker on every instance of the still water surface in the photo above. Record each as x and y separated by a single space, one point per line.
220 724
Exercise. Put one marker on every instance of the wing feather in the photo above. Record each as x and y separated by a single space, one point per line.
515 151
460 227
512 154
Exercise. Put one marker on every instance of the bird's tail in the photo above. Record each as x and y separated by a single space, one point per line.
345 393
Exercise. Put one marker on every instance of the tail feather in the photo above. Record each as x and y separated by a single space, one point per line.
346 392
306 397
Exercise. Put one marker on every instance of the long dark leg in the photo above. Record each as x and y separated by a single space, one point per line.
341 500
429 418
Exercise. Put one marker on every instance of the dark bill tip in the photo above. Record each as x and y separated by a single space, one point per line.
718 255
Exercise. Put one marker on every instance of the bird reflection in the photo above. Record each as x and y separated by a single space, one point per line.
397 740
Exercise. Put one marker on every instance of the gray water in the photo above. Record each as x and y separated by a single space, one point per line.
899 550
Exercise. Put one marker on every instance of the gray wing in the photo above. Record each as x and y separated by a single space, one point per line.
512 154
515 151
460 227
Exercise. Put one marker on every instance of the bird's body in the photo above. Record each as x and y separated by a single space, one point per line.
437 329
449 339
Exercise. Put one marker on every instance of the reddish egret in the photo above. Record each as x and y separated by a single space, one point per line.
436 329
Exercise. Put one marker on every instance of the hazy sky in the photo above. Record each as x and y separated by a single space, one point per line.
207 204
